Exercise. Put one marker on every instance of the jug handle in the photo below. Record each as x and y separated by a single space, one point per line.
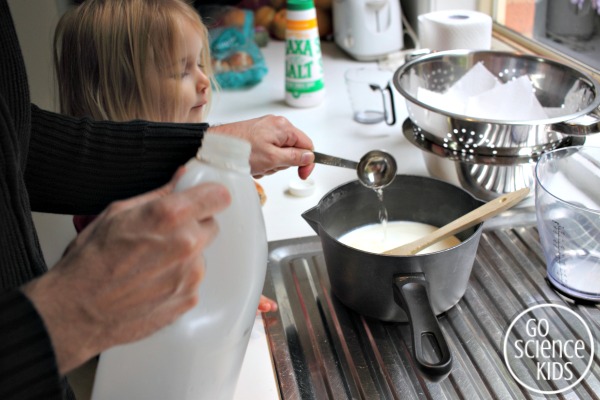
386 113
393 112
411 293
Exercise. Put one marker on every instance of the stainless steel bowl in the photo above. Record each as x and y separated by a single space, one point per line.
486 177
573 93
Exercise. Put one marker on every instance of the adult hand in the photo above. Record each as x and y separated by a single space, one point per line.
276 144
135 269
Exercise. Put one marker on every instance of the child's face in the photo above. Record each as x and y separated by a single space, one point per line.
194 85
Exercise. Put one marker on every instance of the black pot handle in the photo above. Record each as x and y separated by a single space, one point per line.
410 293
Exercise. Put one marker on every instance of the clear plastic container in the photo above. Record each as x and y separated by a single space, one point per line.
200 355
304 85
567 201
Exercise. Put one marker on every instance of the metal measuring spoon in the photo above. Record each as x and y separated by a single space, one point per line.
375 170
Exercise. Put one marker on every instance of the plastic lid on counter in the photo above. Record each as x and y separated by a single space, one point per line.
301 188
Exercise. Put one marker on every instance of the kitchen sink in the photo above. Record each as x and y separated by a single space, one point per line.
323 350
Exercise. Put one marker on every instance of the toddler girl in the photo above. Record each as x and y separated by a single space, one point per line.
124 60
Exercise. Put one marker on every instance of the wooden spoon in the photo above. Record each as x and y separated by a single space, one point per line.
468 220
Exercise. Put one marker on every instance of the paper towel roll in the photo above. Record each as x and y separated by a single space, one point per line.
455 29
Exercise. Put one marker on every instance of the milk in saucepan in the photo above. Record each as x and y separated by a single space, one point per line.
377 238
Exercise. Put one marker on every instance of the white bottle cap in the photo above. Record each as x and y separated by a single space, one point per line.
301 188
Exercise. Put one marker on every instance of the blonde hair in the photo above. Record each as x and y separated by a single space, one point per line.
103 50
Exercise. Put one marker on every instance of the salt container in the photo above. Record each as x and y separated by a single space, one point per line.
304 85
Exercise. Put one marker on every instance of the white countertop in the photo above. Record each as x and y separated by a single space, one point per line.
333 131
329 125
331 128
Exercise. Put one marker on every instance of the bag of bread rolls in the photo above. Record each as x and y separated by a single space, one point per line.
236 58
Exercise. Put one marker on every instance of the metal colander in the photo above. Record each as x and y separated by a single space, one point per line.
572 95
486 177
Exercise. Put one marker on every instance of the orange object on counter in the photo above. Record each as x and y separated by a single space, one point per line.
261 193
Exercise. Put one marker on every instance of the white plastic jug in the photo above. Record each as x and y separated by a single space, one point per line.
200 355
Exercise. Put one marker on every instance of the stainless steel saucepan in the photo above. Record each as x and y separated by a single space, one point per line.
412 288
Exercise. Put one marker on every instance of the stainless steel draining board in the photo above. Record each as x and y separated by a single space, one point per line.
323 350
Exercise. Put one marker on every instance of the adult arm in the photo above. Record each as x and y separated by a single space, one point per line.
78 166
28 369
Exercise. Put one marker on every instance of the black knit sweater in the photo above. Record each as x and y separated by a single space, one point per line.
56 164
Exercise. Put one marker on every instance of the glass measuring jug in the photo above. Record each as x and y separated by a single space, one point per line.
371 95
567 202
